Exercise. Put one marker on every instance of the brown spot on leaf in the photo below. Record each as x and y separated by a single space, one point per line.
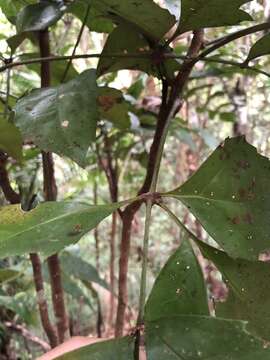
107 102
242 193
243 164
236 220
248 218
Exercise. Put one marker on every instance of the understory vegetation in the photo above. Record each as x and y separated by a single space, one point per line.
134 178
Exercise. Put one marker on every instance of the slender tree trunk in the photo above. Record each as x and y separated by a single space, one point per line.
111 173
112 268
50 194
14 198
170 105
41 299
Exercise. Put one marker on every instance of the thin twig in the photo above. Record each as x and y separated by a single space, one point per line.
50 194
20 329
241 65
140 55
77 43
232 37
14 198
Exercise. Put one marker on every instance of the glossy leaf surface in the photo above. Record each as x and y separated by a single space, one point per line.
133 42
48 228
96 21
36 17
249 290
61 119
260 48
198 337
145 15
229 195
10 139
118 349
179 288
197 14
141 58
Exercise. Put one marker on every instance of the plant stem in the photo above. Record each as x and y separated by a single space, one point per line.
167 111
41 300
177 221
128 56
232 37
14 198
77 44
50 194
140 319
144 262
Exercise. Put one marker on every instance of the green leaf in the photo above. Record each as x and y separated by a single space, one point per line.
10 139
96 21
136 88
117 349
145 15
201 337
249 285
8 275
16 40
179 288
260 48
36 17
227 116
113 107
198 14
49 227
61 119
229 195
81 269
57 68
11 8
135 44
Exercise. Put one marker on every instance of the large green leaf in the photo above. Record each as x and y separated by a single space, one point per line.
80 269
199 337
145 15
96 21
230 195
197 14
49 227
249 285
36 17
16 40
260 48
10 139
117 349
179 288
133 42
61 119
